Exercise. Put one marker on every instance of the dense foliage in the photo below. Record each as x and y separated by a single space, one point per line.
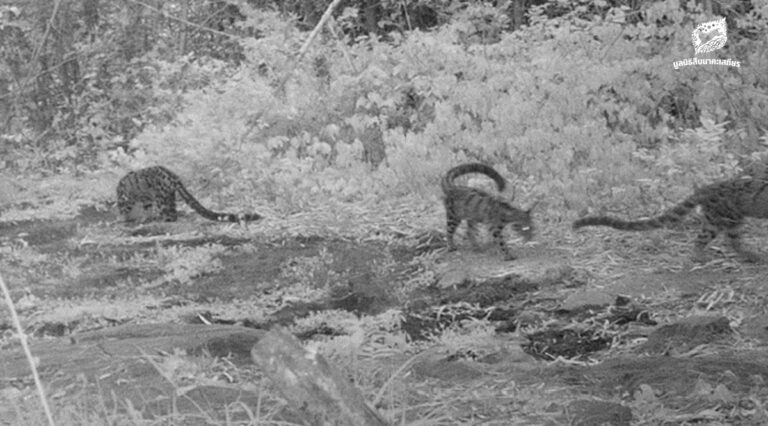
580 102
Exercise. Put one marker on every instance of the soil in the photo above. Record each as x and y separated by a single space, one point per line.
159 320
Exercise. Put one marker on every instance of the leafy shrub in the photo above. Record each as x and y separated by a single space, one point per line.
580 108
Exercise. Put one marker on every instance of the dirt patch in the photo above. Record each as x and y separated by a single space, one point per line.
527 339
107 269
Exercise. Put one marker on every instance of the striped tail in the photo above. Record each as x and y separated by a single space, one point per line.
211 215
671 216
463 169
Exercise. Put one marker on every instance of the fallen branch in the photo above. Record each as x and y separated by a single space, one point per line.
319 392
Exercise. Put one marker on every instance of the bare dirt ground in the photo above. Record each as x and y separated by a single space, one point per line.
157 322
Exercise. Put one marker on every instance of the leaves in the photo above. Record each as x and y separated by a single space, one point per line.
580 102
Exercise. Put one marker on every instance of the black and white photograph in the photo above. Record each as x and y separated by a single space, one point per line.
370 213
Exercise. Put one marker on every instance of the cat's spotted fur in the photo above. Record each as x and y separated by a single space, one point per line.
724 206
477 206
145 194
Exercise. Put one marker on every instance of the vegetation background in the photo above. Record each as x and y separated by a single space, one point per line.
577 102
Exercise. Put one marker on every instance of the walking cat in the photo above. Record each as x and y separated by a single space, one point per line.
477 206
724 205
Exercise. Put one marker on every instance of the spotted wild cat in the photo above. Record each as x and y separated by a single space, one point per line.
724 205
144 194
477 206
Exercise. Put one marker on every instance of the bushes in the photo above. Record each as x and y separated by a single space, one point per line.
573 118
580 108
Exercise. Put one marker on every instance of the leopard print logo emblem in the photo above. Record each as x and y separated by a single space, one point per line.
714 33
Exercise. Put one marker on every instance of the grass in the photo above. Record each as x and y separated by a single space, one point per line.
409 382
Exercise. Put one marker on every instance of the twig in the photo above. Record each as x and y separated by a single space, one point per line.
342 45
27 352
315 31
47 31
185 21
312 35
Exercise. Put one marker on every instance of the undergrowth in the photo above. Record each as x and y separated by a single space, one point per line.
583 112
578 111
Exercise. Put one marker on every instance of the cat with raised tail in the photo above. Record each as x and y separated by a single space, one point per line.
477 206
